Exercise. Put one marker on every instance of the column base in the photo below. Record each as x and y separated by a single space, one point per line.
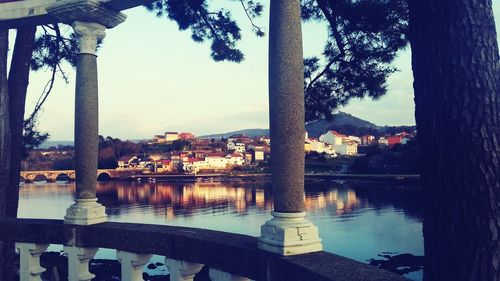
289 234
85 212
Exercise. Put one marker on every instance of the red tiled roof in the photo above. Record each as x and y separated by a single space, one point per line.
192 160
337 134
125 158
215 155
186 135
235 155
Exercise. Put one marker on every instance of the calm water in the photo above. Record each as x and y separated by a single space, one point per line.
356 220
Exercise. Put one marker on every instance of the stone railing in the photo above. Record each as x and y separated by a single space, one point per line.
186 250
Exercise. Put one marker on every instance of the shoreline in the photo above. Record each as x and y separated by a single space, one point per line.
380 178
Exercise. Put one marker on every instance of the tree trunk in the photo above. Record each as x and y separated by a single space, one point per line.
12 103
456 70
18 87
6 249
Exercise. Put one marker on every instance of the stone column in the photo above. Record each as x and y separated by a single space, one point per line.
29 261
86 210
78 262
132 265
182 270
89 19
288 233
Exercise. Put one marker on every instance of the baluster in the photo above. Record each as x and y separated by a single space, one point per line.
30 269
78 263
182 270
217 275
132 265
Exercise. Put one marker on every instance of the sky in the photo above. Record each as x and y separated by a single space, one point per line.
153 78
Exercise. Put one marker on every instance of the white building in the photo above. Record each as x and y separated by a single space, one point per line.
216 161
236 147
347 148
332 137
383 141
235 159
126 162
194 165
240 147
171 136
342 144
231 146
355 139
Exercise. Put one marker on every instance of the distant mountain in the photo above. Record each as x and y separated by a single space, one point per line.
249 132
340 122
343 122
48 144
351 125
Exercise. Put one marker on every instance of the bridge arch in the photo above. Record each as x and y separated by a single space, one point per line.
40 178
103 176
62 177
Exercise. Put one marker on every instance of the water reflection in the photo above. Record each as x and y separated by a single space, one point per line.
357 220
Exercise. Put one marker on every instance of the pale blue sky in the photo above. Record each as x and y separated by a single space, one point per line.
154 78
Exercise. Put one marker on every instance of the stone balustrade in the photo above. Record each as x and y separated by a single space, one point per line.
186 250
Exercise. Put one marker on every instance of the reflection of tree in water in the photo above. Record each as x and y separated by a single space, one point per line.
381 196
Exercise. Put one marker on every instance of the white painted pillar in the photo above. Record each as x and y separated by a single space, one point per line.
132 265
217 275
78 262
30 269
182 270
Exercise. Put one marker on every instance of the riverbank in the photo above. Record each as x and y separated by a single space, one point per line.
380 178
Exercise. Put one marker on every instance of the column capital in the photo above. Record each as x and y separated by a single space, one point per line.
87 11
88 33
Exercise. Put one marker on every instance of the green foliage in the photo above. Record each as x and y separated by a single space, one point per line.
111 149
216 26
51 47
400 159
364 37
64 164
32 138
178 145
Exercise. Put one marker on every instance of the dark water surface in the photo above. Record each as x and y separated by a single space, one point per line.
355 220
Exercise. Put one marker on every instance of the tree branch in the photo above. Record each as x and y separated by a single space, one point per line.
256 28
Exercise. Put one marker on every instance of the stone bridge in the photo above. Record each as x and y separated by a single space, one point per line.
52 176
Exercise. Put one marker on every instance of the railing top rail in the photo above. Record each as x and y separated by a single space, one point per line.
233 253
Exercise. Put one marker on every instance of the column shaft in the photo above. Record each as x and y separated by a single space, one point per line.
86 126
286 105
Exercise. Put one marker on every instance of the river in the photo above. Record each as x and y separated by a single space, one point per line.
357 220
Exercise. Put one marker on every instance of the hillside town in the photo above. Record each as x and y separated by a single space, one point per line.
182 152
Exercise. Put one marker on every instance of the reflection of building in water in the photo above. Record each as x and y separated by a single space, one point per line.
344 200
184 198
174 199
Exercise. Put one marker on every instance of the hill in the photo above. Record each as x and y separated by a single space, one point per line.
48 144
249 132
343 122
